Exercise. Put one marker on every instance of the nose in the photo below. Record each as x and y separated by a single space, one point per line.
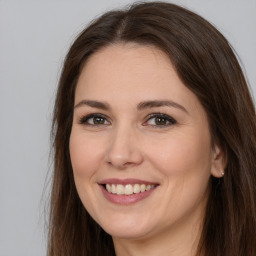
124 149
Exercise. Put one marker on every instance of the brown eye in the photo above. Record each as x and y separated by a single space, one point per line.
160 120
98 120
94 120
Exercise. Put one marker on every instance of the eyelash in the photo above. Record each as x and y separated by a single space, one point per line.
169 120
84 119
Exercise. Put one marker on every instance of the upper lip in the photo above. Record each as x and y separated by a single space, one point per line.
126 181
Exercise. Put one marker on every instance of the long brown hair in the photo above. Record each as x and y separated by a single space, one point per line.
207 65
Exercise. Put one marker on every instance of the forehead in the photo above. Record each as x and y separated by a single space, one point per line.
125 73
126 63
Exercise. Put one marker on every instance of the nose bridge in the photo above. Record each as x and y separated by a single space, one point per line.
123 149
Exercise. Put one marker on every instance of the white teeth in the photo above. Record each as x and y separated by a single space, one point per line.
108 187
128 189
113 189
148 187
119 189
136 189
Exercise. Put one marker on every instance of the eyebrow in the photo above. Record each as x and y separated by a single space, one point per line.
160 103
141 106
93 104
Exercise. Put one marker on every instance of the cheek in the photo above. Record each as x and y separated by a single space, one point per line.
184 162
85 154
181 153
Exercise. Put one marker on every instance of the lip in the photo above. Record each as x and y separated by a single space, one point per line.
126 199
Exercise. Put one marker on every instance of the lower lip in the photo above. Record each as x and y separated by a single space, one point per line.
126 199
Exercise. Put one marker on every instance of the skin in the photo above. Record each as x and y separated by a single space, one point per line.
179 156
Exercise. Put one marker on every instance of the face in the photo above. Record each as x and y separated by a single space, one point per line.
140 145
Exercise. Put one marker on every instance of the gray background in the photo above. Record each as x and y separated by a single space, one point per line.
34 37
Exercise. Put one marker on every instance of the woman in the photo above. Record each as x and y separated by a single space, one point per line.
154 136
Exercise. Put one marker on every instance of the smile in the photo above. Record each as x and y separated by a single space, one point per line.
128 189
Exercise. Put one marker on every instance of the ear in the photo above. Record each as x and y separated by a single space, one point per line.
219 161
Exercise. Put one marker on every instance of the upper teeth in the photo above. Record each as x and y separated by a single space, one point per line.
128 189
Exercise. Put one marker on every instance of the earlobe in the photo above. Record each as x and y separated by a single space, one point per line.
219 162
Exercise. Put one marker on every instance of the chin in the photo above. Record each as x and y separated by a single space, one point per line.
129 229
125 233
